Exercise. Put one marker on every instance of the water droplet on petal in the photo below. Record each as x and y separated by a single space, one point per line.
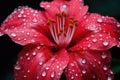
109 78
105 68
24 76
44 74
13 34
94 40
18 67
83 71
99 20
52 74
105 43
34 53
64 8
35 20
72 77
83 61
40 63
47 68
103 56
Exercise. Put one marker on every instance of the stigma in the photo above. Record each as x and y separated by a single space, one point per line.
62 28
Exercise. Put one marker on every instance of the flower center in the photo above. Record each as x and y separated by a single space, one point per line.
62 31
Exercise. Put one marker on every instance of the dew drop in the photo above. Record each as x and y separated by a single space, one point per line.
83 71
37 77
94 40
13 34
28 58
72 77
47 68
34 53
83 61
57 66
27 54
72 64
18 67
103 56
105 68
24 76
99 20
64 8
44 74
40 63
109 78
105 43
28 33
52 74
34 20
118 25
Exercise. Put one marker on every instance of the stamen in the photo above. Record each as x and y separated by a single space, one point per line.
61 34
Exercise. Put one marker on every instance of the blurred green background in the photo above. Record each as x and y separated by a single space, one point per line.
9 50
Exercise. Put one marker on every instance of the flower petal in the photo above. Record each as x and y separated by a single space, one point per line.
99 34
53 68
30 59
22 26
77 9
88 64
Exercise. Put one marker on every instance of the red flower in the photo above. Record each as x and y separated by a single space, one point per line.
63 39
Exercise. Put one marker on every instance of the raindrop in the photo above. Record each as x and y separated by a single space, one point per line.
57 66
52 74
72 64
64 8
94 40
37 77
89 45
109 78
34 20
28 58
13 34
83 71
83 61
44 74
27 54
48 6
72 77
118 25
103 56
28 71
47 68
22 11
19 16
99 20
105 43
105 68
24 76
40 63
18 67
34 53
28 33
24 39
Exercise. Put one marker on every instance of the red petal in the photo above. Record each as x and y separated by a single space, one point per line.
72 71
53 69
51 8
21 26
87 64
30 59
77 9
97 33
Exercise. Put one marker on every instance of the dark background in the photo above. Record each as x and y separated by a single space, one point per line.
9 50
